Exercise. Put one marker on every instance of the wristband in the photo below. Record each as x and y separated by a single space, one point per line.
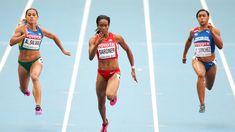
132 67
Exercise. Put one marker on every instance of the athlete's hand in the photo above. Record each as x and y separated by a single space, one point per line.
102 37
23 35
209 26
133 75
65 52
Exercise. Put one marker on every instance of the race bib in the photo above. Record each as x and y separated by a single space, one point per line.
105 53
31 44
202 49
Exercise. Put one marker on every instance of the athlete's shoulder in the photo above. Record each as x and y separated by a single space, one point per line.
191 32
21 27
93 38
195 29
116 36
216 29
40 27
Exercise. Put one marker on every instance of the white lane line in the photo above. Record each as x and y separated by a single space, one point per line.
222 56
8 49
76 64
151 64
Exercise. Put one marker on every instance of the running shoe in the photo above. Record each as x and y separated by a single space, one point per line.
27 93
38 110
202 108
113 101
104 127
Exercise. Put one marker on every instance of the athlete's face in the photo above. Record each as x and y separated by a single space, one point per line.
31 17
202 18
103 26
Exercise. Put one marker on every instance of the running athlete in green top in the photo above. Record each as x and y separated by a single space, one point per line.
29 37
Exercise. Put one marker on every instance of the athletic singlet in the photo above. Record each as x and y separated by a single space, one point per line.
107 49
203 42
32 41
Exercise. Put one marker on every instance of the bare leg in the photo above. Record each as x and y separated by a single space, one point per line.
210 77
112 86
35 71
200 71
100 91
23 78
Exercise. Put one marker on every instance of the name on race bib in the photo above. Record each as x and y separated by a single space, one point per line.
202 49
106 51
33 44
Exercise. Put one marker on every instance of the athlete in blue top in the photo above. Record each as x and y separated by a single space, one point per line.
205 37
29 37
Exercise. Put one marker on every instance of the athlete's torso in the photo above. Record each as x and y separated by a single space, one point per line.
107 49
29 47
204 44
32 41
107 53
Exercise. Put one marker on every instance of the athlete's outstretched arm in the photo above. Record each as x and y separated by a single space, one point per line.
187 46
124 45
216 36
56 40
18 36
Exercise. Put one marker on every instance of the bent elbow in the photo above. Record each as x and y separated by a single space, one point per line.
91 58
221 46
11 43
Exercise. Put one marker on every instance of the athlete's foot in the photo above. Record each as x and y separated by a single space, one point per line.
38 110
104 127
202 108
27 92
113 101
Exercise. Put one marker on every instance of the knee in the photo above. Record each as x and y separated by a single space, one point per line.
34 77
201 76
110 96
209 86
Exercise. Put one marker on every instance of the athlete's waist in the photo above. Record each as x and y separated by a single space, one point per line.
108 59
25 49
207 58
109 70
28 55
108 64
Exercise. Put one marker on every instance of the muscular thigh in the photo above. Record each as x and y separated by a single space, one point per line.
36 69
198 67
113 83
101 85
210 76
23 77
